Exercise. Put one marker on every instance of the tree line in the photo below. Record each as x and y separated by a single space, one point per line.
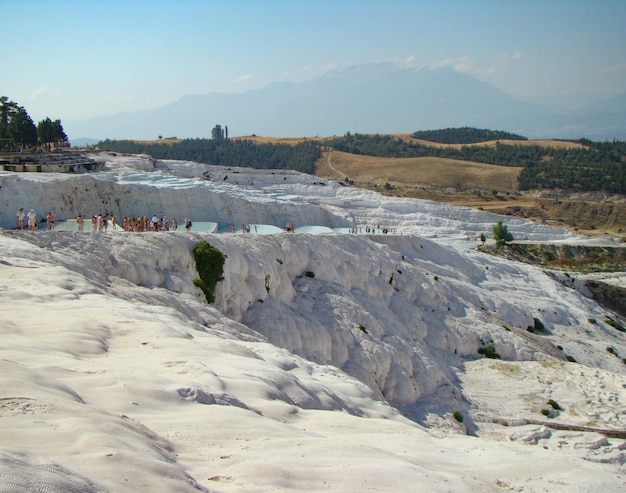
17 129
464 135
226 152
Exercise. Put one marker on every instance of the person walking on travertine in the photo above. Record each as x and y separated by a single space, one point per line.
32 220
21 218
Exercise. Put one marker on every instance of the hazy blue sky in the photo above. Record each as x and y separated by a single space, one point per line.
76 59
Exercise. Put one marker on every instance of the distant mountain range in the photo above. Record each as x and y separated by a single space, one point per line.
372 98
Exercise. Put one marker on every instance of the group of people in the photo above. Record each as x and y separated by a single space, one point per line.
30 220
372 230
134 224
101 222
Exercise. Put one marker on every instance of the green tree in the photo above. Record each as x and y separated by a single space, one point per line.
210 267
50 131
217 133
22 130
7 108
501 234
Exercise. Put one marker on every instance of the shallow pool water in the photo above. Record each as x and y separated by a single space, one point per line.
259 229
314 230
72 225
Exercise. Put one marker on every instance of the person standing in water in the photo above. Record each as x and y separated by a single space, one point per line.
50 221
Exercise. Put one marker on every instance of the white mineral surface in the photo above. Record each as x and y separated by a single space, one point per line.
329 362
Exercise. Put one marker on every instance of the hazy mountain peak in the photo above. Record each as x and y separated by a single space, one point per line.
367 98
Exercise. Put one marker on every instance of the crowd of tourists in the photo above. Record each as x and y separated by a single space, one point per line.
102 222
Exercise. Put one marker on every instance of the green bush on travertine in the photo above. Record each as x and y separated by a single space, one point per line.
458 416
488 349
614 323
538 327
310 274
555 405
501 234
210 267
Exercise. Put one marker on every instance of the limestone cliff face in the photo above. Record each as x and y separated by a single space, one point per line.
613 297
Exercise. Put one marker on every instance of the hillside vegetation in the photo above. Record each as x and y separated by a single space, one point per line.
590 166
225 152
464 135
580 185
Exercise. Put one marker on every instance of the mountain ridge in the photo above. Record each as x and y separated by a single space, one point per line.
372 98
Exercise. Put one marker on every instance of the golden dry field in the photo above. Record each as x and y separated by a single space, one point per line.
481 186
259 139
559 144
423 171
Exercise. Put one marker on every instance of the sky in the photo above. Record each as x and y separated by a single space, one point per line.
76 59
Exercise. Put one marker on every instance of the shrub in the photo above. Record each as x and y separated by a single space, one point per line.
546 412
362 328
489 352
593 321
458 416
210 267
555 405
310 274
501 234
538 327
614 323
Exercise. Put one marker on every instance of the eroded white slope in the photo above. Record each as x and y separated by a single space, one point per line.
107 373
112 362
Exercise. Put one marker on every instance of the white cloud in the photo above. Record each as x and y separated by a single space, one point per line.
243 78
460 64
465 64
38 92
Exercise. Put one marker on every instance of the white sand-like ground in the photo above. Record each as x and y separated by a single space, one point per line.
117 376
